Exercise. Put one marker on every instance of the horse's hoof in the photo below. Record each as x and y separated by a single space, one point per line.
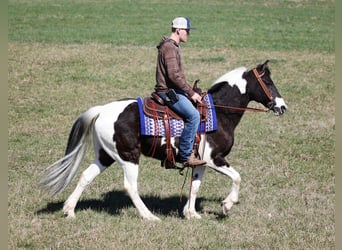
152 218
226 206
69 214
192 215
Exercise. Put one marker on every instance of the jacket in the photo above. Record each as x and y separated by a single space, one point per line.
169 69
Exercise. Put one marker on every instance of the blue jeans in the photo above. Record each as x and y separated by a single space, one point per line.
191 117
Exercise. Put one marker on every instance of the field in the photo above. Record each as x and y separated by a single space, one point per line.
66 56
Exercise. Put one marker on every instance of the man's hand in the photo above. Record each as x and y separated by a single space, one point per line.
196 98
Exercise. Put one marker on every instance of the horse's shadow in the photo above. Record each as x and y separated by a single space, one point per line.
114 202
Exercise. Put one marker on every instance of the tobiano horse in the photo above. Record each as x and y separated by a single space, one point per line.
115 130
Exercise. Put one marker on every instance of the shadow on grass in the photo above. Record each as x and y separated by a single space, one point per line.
115 201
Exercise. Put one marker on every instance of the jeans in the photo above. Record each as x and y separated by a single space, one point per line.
191 118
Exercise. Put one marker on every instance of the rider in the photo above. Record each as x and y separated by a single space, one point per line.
172 87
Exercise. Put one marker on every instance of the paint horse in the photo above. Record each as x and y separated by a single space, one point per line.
115 130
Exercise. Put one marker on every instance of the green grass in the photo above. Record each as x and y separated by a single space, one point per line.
263 25
66 56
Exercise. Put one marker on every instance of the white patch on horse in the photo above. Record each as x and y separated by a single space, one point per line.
234 77
280 102
173 143
105 125
205 150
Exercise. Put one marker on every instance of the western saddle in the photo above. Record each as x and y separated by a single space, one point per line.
155 108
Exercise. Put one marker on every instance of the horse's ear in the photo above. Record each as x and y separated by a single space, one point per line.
264 66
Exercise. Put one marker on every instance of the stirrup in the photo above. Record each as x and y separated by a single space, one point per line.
194 163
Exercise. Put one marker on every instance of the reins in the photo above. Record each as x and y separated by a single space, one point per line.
265 89
239 108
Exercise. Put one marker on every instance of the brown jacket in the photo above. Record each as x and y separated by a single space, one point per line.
169 70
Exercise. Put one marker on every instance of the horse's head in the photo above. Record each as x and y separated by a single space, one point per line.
261 88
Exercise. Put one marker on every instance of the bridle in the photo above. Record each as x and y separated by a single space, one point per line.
263 86
266 91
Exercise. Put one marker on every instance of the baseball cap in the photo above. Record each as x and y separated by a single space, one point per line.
181 23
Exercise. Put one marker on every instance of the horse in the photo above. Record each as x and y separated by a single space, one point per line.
116 138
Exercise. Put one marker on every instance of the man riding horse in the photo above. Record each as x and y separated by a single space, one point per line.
176 93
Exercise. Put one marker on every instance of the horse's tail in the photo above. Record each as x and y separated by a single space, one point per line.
59 174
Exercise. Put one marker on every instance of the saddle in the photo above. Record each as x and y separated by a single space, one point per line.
155 108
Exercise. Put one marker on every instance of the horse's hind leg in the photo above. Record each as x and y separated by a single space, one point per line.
131 172
87 177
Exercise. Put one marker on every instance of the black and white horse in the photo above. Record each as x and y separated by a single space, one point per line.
116 136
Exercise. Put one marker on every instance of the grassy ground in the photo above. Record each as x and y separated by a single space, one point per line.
66 56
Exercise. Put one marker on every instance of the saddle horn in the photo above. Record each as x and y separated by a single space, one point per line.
196 88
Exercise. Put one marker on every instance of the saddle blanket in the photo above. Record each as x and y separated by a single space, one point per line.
149 126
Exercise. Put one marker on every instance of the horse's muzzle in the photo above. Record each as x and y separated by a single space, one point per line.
279 111
279 107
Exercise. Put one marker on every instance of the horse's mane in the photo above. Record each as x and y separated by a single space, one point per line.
232 77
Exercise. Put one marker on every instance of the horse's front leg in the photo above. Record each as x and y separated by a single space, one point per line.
189 210
87 177
233 196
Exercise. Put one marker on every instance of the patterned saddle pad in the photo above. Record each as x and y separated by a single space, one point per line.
156 127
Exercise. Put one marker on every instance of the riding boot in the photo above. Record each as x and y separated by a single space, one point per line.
194 161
